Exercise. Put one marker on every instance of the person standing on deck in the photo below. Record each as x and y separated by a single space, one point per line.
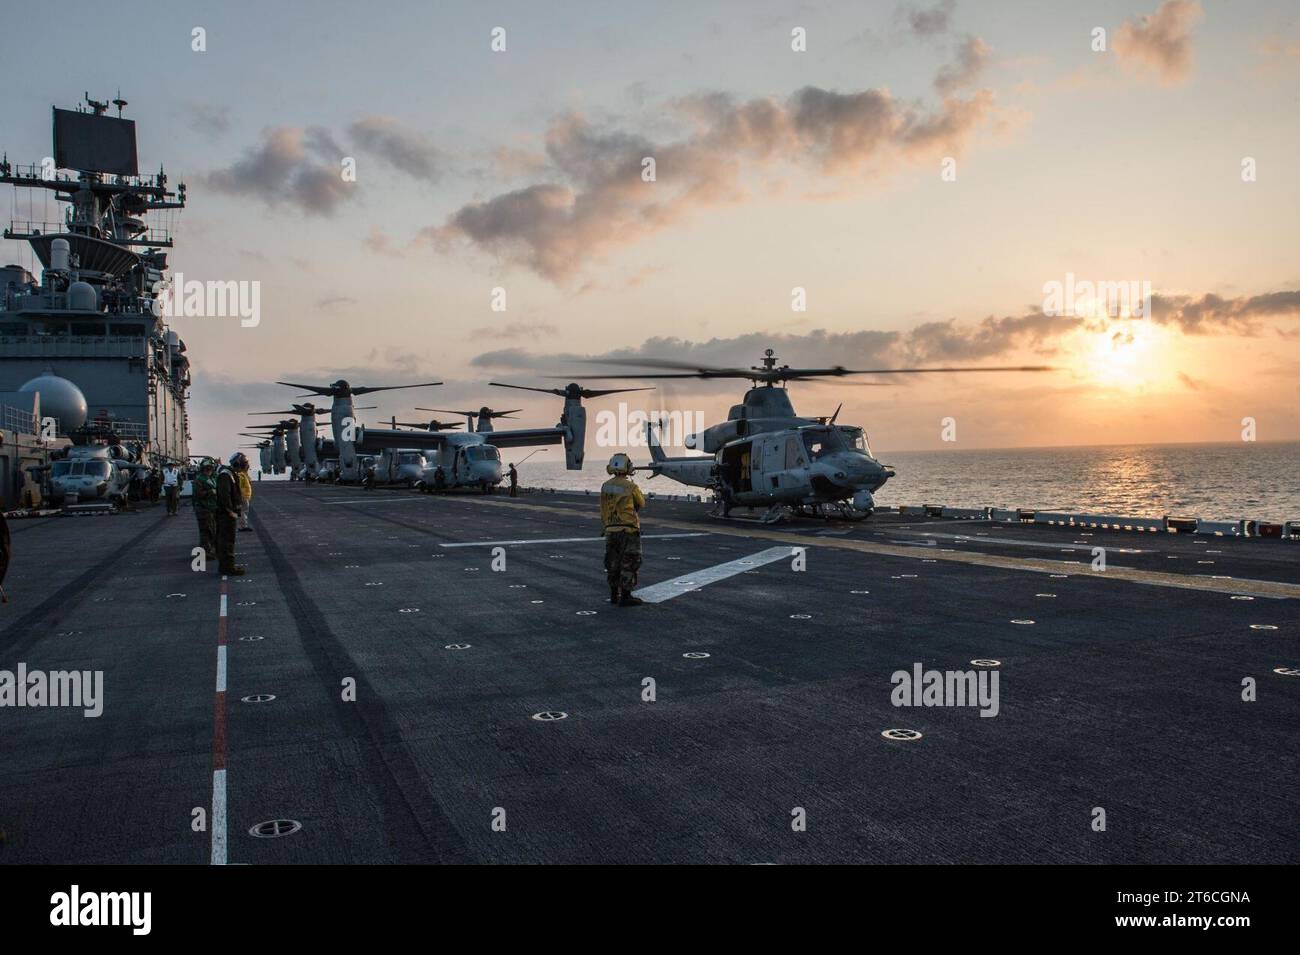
620 500
205 506
229 501
246 495
172 488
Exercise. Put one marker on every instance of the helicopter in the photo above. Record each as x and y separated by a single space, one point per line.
343 420
766 455
90 472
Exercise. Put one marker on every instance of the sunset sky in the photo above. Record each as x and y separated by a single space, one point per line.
775 169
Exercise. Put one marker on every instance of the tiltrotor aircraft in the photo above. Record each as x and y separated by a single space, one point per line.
485 416
406 466
265 455
766 455
343 418
472 458
278 446
306 464
263 449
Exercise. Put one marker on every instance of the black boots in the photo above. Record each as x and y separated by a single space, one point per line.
620 599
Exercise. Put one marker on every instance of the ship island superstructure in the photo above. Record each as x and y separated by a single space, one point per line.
84 346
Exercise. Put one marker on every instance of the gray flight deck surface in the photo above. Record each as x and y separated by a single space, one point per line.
1125 692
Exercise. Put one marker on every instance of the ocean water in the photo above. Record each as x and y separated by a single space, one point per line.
1259 480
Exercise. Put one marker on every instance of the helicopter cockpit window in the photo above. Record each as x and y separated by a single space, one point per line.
98 469
857 439
821 443
61 468
411 457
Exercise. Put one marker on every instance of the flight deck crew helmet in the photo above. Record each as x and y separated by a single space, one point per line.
207 463
619 464
238 461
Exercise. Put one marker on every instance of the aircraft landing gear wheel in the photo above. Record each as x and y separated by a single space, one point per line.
850 513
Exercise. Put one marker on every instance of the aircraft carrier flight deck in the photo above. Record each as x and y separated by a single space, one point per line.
375 691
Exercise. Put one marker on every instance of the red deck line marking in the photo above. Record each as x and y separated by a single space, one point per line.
218 820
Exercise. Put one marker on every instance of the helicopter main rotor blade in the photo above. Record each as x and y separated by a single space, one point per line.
643 377
702 371
920 371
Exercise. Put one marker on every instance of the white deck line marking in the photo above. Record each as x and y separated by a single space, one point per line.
218 817
1042 545
223 605
221 669
563 540
373 500
668 589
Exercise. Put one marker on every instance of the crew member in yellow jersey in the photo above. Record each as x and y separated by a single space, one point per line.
620 500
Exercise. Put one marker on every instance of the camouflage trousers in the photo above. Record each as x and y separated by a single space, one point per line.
207 531
622 559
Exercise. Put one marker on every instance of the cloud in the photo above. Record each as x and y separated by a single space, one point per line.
209 119
403 149
333 301
291 166
1160 43
817 348
595 199
517 330
972 57
518 162
929 343
1212 313
929 21
993 336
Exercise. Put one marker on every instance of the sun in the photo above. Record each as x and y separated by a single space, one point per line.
1125 354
